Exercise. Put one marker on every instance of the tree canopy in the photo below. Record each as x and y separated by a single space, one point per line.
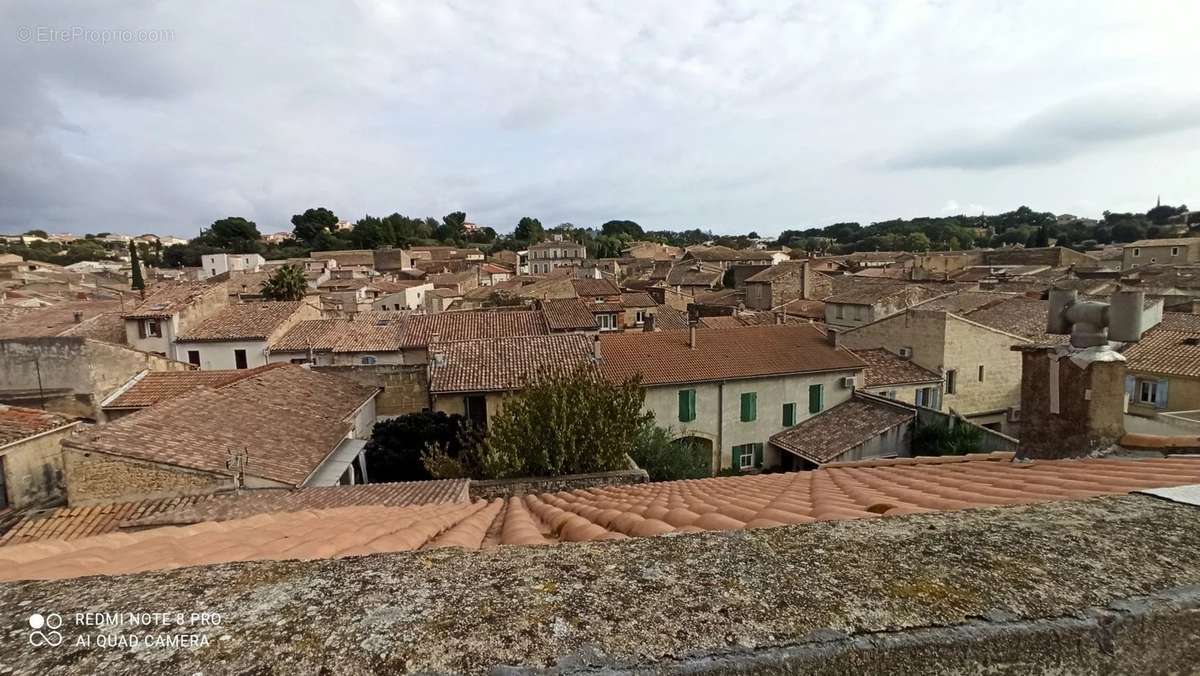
286 283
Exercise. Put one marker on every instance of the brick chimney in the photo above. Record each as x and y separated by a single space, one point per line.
1073 396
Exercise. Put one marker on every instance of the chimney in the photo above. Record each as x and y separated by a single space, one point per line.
1073 397
648 324
832 335
692 335
78 317
596 348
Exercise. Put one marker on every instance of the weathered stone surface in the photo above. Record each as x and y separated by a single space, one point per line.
1093 586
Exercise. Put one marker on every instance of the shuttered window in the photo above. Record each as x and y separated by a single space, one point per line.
749 406
687 405
815 395
789 414
746 456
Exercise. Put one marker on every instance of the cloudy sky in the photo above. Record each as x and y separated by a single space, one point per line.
681 113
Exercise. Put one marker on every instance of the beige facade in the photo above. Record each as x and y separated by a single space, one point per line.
718 410
1182 251
982 375
1152 393
33 468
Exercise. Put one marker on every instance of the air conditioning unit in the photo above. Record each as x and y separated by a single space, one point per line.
849 382
905 353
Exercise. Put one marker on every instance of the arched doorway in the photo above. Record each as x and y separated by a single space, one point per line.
702 447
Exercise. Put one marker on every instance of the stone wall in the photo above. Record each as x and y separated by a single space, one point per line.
405 386
1088 415
505 488
33 468
94 478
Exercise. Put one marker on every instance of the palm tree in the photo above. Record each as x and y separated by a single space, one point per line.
287 283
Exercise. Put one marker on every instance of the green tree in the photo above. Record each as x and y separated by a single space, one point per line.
665 459
563 423
396 446
135 268
234 233
308 225
942 439
286 283
37 233
529 230
453 227
613 228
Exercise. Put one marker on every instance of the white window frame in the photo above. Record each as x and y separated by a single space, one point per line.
746 451
1174 251
1148 392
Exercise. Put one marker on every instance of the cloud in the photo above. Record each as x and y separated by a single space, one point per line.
1057 133
700 114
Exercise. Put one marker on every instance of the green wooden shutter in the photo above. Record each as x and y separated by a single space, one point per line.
758 455
789 414
737 457
749 406
814 399
687 405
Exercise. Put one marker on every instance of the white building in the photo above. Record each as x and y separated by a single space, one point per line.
239 336
219 264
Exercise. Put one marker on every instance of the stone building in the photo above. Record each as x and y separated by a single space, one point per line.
783 283
30 460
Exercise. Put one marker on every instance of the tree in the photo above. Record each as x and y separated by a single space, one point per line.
394 452
286 283
529 230
665 459
306 226
135 268
1043 237
563 423
234 233
37 233
613 228
453 227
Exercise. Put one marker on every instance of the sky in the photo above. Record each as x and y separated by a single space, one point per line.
162 117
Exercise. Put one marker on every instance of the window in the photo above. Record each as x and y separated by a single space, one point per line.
1174 251
639 317
1152 393
194 357
747 456
368 360
749 406
239 358
1137 252
951 381
606 322
153 328
815 398
687 405
981 373
475 407
927 397
789 414
839 311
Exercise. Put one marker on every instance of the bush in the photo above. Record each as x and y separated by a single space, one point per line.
565 423
665 459
396 446
939 439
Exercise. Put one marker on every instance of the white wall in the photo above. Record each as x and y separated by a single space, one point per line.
219 355
718 409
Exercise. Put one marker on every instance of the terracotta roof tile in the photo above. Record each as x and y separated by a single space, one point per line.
720 354
637 299
473 325
73 523
244 321
17 423
824 437
1018 315
59 319
155 386
166 300
289 418
869 293
866 489
886 368
687 274
568 314
1172 348
502 364
595 287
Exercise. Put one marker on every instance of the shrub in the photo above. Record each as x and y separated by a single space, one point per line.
665 459
941 439
397 445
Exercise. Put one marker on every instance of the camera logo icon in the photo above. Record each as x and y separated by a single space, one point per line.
50 622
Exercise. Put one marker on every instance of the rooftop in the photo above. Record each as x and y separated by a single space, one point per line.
59 319
1172 241
17 423
774 272
665 357
886 368
166 300
839 491
875 291
1172 348
243 321
686 274
827 435
290 418
74 523
504 364
568 314
151 387
595 287
471 325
